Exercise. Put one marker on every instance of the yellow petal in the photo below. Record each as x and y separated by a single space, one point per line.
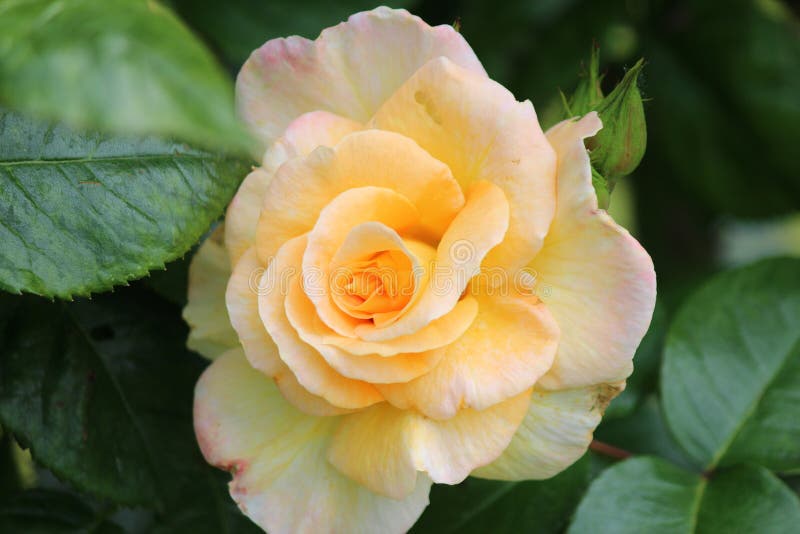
510 345
281 477
555 433
348 210
598 280
349 70
301 398
372 368
303 135
302 187
383 447
308 366
241 299
481 132
477 228
210 331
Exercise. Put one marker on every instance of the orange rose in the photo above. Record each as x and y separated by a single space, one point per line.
419 280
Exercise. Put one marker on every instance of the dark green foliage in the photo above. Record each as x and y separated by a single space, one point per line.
80 213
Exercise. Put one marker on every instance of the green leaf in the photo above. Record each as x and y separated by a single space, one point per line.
101 392
237 27
649 495
127 66
42 511
84 212
644 432
731 375
478 505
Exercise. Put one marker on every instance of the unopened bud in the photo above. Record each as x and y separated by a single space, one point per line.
618 148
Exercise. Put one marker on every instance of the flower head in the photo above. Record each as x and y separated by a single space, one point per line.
419 280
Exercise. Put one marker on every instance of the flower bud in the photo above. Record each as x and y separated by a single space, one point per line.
588 93
618 148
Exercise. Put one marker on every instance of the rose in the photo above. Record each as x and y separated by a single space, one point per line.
371 354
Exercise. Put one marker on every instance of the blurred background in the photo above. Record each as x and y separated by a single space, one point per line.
720 181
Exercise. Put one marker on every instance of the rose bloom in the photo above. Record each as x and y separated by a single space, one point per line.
414 287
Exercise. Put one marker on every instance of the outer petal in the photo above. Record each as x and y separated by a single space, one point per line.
303 135
349 70
304 186
281 478
555 433
241 299
473 233
383 447
602 283
311 370
504 352
210 332
481 132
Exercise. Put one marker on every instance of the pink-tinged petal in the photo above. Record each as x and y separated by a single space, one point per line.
302 187
241 299
601 286
277 455
555 433
504 145
384 448
477 228
510 345
304 134
350 70
210 331
308 366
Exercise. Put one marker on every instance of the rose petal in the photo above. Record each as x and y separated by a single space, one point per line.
510 345
372 368
348 210
308 366
303 135
383 447
481 132
302 187
555 433
347 70
477 228
600 281
281 477
241 299
301 398
210 331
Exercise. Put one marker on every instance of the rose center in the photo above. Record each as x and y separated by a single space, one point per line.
375 287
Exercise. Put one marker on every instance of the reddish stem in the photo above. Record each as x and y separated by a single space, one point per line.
609 450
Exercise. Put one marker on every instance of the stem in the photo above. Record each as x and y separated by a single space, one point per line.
609 450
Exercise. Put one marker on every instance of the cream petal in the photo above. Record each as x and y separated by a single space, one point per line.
477 228
555 433
308 366
281 477
349 70
599 281
383 447
508 347
302 187
241 299
505 145
210 331
302 136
